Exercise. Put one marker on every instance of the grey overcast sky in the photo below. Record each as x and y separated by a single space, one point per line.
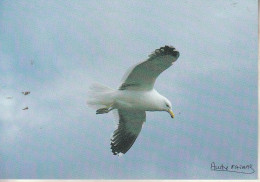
56 49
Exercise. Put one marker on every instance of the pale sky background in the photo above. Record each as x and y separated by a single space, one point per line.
213 85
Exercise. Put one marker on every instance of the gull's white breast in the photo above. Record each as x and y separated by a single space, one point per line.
138 100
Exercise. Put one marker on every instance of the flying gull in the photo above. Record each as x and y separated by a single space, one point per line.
134 97
26 93
26 108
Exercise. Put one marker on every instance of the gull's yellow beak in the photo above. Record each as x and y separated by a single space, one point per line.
171 113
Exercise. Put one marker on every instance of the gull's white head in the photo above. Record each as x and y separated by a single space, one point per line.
167 106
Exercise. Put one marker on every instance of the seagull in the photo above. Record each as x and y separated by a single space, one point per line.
26 108
26 93
134 97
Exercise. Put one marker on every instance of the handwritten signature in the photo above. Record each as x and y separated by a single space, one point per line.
245 169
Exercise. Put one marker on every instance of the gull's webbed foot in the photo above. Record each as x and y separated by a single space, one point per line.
102 111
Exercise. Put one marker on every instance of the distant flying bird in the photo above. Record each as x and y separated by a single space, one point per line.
26 93
26 108
134 97
234 4
9 97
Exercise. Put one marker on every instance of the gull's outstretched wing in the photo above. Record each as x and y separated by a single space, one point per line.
143 75
129 127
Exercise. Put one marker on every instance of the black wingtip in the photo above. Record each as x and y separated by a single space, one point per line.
122 143
170 50
166 50
115 151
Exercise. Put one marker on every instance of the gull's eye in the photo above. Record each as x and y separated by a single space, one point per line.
167 105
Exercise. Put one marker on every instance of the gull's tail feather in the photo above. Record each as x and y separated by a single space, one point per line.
100 95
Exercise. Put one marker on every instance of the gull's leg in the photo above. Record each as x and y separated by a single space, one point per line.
105 109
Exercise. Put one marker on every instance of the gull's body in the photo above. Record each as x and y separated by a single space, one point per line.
138 100
134 97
